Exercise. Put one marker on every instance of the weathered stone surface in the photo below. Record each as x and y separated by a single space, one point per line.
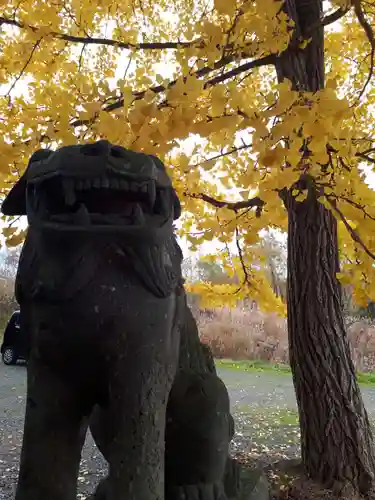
199 426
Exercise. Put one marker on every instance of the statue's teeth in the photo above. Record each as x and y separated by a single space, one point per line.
82 216
69 192
128 210
165 206
152 193
138 215
114 183
87 184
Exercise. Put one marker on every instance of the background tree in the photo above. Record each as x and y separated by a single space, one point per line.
9 262
274 253
263 112
209 270
8 268
189 269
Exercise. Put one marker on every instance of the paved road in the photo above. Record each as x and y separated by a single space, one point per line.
251 394
268 390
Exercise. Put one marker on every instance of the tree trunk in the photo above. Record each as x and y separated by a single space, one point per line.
336 438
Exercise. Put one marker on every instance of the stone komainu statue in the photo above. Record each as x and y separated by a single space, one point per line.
113 344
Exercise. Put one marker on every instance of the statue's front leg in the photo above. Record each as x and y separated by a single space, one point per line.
131 433
199 429
52 439
129 428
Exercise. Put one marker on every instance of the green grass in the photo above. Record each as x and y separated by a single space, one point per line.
256 365
274 416
270 430
259 366
366 378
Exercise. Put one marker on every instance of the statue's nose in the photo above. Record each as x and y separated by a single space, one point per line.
100 148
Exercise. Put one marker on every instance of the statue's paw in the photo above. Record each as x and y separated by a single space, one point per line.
232 483
203 491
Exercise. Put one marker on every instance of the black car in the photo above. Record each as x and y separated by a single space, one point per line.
14 343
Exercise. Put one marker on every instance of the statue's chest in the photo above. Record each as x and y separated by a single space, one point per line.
92 272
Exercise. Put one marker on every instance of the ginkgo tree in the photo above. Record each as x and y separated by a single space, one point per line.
271 101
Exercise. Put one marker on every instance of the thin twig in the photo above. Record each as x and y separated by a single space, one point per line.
365 157
36 45
128 66
353 203
358 206
353 233
14 221
242 261
221 155
81 58
371 38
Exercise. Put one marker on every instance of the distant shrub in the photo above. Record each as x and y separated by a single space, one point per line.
8 303
241 334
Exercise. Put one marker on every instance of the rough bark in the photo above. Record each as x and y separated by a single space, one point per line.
336 439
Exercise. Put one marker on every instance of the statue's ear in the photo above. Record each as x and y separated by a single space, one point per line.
15 201
176 206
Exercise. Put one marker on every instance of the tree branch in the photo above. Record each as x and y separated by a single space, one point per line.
36 45
221 155
87 40
225 60
353 233
359 154
256 63
327 20
246 279
358 206
365 157
256 202
371 38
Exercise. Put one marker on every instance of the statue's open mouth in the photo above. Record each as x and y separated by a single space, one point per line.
95 187
104 200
